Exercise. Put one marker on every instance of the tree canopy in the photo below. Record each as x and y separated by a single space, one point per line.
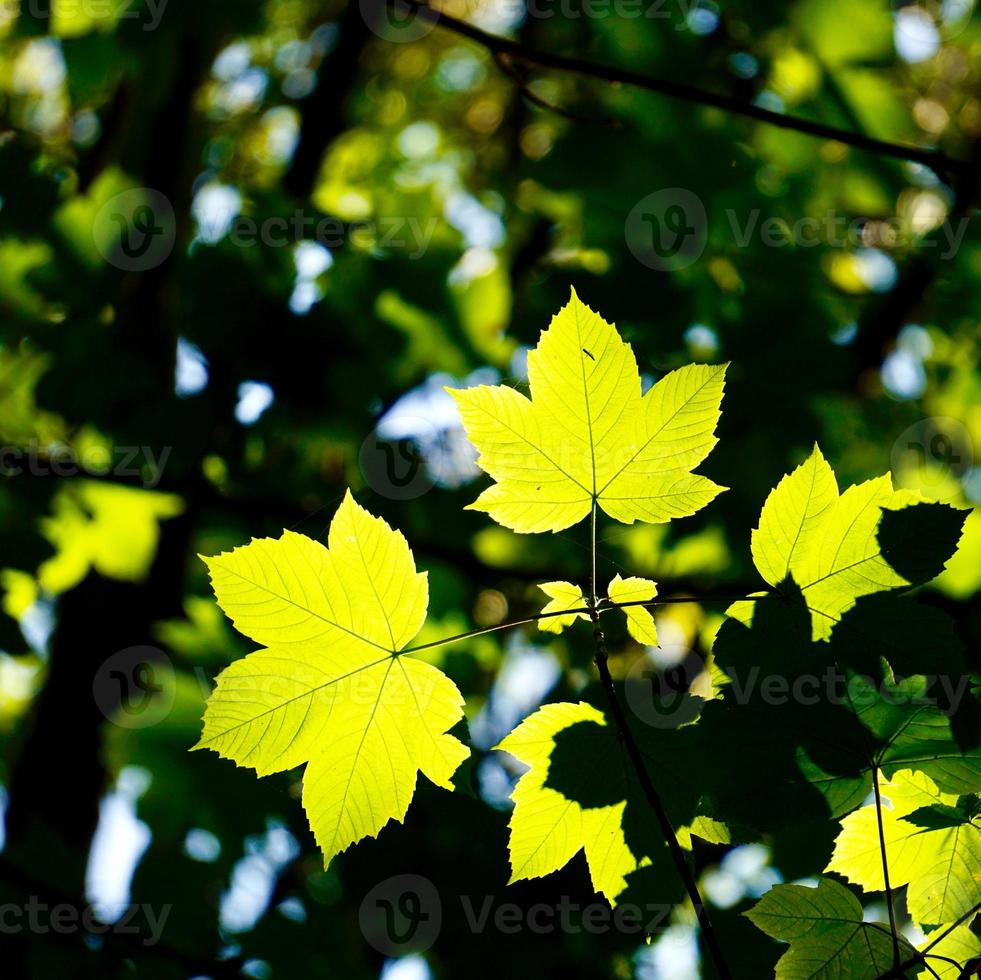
528 448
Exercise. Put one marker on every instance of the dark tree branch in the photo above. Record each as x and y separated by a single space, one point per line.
626 737
900 971
654 800
508 66
499 46
885 868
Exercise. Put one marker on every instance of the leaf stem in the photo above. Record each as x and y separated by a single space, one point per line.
647 785
612 604
885 868
923 953
969 914
592 556
480 631
609 604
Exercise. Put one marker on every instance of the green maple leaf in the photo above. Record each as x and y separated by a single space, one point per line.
838 563
331 689
901 727
838 548
817 736
587 436
933 843
828 936
581 793
111 529
547 827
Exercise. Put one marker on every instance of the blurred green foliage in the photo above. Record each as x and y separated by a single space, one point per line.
342 216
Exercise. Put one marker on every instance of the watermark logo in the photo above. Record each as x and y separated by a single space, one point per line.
699 16
667 230
403 467
400 20
401 915
136 230
135 687
660 694
939 451
836 230
408 234
832 687
572 918
396 20
404 914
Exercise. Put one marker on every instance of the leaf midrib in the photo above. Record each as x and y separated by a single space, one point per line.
537 448
316 615
655 434
357 756
306 694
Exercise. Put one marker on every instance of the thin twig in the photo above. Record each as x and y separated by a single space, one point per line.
493 629
609 604
626 737
507 65
613 604
498 46
969 914
885 868
921 954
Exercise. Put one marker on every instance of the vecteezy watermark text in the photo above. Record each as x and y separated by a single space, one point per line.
397 20
667 230
141 463
839 231
833 687
662 698
40 919
595 918
405 914
136 230
392 232
148 13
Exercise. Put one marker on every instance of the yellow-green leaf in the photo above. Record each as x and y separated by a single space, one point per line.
547 828
705 828
959 946
564 595
932 843
640 622
587 435
791 517
832 545
332 690
111 529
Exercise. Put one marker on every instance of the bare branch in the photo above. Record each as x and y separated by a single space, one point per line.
499 46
